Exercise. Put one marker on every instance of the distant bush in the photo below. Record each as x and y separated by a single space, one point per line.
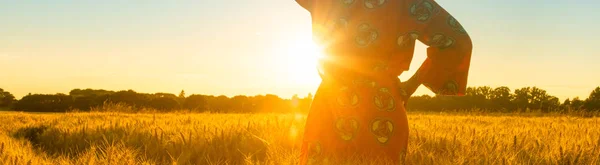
86 99
45 103
164 103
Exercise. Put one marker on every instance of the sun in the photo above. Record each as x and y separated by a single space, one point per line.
301 61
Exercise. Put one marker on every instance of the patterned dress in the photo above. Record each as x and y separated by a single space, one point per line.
359 106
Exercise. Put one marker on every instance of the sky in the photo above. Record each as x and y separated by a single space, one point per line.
233 47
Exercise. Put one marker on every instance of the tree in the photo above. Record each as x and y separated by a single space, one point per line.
89 92
485 92
592 103
522 98
169 95
566 104
88 98
551 103
576 103
6 98
420 103
44 103
182 94
196 103
131 98
501 98
219 104
241 104
273 103
537 98
477 97
164 103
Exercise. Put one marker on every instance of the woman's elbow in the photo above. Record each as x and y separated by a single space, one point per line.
467 44
464 45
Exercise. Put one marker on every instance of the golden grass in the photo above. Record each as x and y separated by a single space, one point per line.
180 138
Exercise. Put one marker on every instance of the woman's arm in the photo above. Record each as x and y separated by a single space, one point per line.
446 68
305 4
409 86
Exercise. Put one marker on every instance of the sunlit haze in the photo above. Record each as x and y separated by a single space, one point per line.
233 47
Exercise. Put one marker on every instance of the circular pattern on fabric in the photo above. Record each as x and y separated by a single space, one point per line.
340 23
382 129
450 88
347 128
315 151
384 100
373 84
347 2
365 82
455 25
380 66
422 11
366 34
407 39
402 156
403 92
329 29
441 41
347 97
370 4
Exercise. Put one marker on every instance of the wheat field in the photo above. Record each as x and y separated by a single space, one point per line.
184 138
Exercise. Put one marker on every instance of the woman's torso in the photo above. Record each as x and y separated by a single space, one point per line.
368 36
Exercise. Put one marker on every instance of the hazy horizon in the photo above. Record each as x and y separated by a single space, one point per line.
236 47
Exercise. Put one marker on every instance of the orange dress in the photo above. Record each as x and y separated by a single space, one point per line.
359 106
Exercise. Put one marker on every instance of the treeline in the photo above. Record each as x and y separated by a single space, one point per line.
129 100
485 99
501 99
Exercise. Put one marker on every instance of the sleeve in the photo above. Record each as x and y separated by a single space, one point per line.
446 68
306 4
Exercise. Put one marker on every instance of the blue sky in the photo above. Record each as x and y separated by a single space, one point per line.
244 47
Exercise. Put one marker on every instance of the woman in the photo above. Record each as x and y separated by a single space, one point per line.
359 107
